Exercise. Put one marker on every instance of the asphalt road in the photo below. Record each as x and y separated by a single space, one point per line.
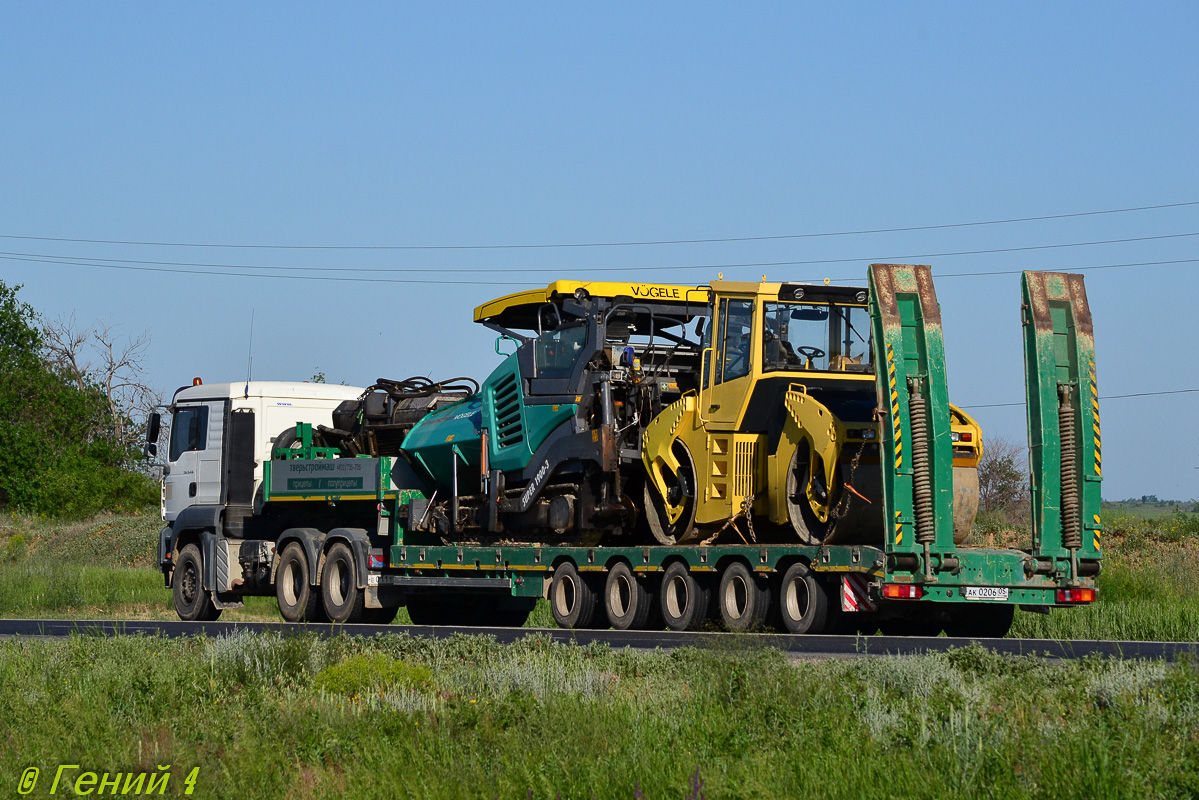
800 646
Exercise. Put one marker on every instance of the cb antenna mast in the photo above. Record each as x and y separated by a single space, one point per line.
250 356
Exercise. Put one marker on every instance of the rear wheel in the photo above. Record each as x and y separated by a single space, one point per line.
743 598
683 599
574 600
192 602
343 600
805 604
680 499
628 599
298 600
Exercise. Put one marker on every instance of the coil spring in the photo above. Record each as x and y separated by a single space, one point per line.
925 529
1071 529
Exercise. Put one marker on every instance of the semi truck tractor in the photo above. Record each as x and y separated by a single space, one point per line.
748 455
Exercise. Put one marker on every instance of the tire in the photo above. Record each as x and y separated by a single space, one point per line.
573 599
981 622
299 601
628 599
684 599
742 599
340 595
192 602
804 603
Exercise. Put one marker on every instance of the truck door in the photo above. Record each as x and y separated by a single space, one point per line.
733 372
209 471
189 437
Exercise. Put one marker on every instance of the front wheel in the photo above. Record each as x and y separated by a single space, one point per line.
192 602
343 600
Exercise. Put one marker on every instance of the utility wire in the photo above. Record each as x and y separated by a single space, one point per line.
1102 397
643 243
114 263
340 279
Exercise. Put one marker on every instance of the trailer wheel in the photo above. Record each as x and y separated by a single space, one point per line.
573 599
192 602
684 598
981 622
343 600
805 605
743 598
628 601
298 601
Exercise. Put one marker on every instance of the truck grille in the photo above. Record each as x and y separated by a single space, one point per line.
506 399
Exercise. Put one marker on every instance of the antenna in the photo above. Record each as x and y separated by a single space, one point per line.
250 355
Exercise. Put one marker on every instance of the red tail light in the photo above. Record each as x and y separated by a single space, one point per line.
901 591
1076 595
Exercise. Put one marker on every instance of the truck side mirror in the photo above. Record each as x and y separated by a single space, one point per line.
699 328
150 450
153 426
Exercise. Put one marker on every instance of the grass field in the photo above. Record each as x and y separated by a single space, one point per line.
103 568
396 716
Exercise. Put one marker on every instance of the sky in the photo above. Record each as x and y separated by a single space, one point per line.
304 133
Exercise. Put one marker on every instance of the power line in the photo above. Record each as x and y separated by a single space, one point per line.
1102 397
643 243
259 275
119 263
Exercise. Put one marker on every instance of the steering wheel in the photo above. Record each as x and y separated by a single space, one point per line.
807 351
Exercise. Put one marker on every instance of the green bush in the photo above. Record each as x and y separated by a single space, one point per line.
362 673
16 548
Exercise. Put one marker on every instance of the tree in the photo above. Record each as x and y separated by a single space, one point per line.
96 359
58 452
1003 480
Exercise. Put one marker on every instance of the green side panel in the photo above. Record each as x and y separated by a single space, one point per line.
544 419
504 417
515 429
910 354
431 442
1059 370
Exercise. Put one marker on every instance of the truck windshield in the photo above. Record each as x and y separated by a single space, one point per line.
556 352
804 336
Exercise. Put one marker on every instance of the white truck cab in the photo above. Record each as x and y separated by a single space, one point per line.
200 463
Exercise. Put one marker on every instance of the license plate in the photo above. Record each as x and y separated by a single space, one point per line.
986 593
